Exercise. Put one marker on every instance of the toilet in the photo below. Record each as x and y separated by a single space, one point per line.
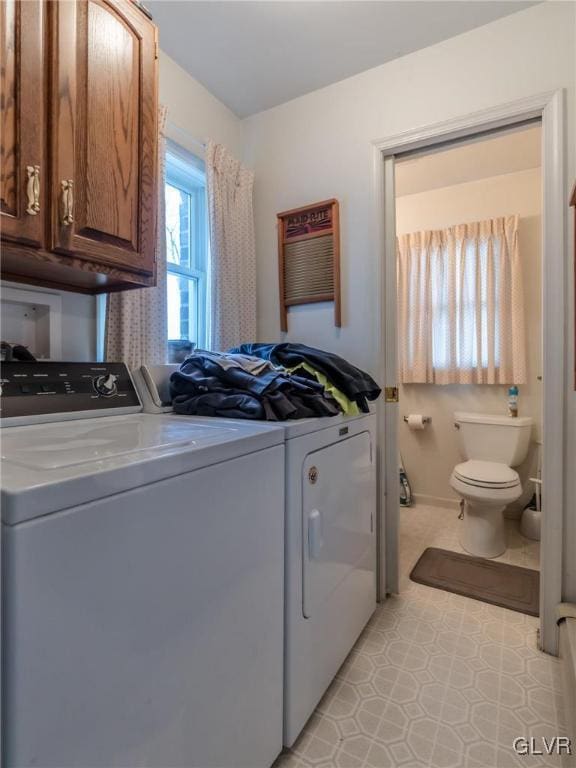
486 482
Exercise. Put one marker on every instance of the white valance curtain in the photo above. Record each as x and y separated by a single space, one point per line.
232 249
461 305
137 320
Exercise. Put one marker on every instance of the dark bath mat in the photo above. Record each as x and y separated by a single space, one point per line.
508 586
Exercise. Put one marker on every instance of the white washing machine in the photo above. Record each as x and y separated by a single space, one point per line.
330 548
330 565
142 589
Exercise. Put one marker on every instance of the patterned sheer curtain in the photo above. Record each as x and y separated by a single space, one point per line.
461 305
232 249
137 320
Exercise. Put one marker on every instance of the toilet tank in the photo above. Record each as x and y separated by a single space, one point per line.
491 437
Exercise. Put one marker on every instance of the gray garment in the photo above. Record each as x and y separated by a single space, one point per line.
248 363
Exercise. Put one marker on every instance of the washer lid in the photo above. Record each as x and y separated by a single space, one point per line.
51 467
72 443
488 474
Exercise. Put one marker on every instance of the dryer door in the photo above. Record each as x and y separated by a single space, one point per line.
339 499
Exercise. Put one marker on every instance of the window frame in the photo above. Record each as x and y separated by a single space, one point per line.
186 172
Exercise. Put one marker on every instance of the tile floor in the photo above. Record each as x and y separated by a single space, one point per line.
437 680
423 526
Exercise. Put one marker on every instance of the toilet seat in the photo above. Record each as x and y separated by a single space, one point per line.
486 474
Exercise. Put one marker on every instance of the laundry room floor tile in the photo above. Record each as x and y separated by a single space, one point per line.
437 680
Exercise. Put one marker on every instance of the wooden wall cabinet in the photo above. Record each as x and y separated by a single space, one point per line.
22 122
80 80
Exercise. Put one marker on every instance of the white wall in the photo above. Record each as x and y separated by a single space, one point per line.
319 146
78 326
78 322
430 456
194 114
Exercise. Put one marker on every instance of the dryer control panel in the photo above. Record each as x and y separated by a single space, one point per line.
41 391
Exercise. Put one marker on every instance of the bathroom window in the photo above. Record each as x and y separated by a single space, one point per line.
466 319
187 247
461 310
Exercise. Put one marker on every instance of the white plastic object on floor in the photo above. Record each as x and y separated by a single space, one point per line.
530 524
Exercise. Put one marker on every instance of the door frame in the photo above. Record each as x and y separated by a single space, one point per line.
549 107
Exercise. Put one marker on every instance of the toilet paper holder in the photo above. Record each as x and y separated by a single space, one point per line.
425 419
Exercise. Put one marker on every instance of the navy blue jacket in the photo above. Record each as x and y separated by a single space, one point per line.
356 384
201 387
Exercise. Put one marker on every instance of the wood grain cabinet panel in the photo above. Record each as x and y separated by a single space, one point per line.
22 122
104 133
78 176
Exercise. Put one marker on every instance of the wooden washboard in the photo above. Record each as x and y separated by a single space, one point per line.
309 257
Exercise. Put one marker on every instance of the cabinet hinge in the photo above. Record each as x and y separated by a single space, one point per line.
156 49
391 394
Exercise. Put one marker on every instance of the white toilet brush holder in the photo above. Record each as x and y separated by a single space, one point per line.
531 521
530 524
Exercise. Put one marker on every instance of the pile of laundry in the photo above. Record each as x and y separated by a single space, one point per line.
274 382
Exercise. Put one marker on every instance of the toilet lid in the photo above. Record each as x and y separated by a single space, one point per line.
487 474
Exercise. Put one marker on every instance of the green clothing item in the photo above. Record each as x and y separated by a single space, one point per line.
347 406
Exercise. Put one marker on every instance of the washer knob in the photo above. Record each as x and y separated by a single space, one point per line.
106 385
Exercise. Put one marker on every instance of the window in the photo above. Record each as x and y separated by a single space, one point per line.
469 305
187 251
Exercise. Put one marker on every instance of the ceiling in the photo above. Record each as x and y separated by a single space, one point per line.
256 54
505 152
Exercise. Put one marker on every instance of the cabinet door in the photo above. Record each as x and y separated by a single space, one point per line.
22 121
104 142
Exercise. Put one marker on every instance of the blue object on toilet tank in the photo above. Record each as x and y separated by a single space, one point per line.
513 401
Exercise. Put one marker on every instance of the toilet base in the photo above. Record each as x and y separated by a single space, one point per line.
483 530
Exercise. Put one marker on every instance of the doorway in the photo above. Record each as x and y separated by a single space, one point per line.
548 109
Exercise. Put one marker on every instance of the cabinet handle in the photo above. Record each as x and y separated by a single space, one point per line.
33 189
67 202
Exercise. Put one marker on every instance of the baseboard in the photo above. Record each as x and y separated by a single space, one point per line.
435 501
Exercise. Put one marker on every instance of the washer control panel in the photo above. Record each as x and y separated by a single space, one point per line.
39 388
105 385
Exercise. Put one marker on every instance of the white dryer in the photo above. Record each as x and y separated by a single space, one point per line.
142 578
330 554
330 544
